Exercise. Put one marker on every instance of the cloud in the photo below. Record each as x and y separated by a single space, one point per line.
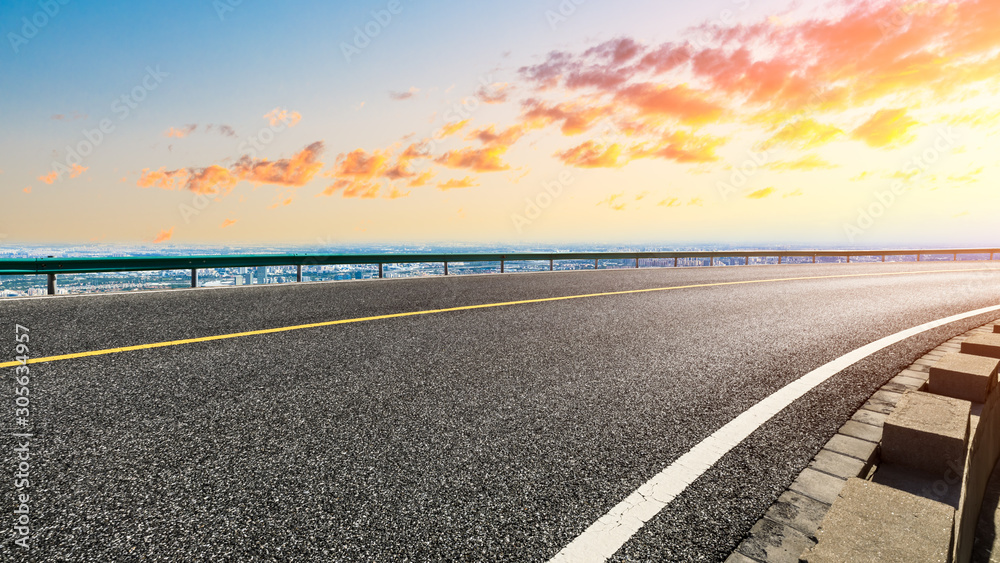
486 159
295 171
681 146
669 202
886 128
804 134
49 178
760 194
593 155
363 174
218 180
404 95
796 193
808 162
450 129
421 180
611 202
27 190
576 118
488 136
283 116
75 170
224 130
164 235
688 106
357 173
451 184
228 223
496 93
182 132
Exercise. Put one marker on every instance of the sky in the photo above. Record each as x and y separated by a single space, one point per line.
740 122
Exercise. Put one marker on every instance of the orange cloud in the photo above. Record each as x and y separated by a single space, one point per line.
212 180
281 115
227 223
27 190
681 146
593 155
505 138
466 182
218 180
75 170
450 129
575 117
49 178
611 202
295 171
887 127
803 133
688 106
362 174
760 194
162 178
421 180
180 133
808 162
486 159
164 236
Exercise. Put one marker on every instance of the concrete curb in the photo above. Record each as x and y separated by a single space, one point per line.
788 529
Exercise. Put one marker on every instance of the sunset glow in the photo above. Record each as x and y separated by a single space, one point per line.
843 123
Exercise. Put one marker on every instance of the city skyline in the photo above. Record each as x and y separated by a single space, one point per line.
841 124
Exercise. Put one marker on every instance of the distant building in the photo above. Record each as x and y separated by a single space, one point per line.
261 273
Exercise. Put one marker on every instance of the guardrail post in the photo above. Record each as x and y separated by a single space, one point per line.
675 261
711 260
446 268
883 257
746 261
380 271
814 258
52 284
780 258
636 261
551 263
991 256
298 273
194 277
848 258
595 263
955 257
918 257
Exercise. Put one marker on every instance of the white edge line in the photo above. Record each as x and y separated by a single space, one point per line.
609 533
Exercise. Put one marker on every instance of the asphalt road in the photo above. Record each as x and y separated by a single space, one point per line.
495 434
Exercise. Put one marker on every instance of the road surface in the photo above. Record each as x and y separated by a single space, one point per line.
495 433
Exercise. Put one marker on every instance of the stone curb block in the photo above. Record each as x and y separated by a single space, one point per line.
983 345
927 432
964 376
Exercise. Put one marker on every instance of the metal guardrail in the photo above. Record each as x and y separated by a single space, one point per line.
53 266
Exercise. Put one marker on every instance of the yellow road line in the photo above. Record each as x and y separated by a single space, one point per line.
107 351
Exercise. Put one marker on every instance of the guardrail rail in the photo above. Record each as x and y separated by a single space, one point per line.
53 266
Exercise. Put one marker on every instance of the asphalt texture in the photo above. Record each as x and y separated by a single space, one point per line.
494 434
